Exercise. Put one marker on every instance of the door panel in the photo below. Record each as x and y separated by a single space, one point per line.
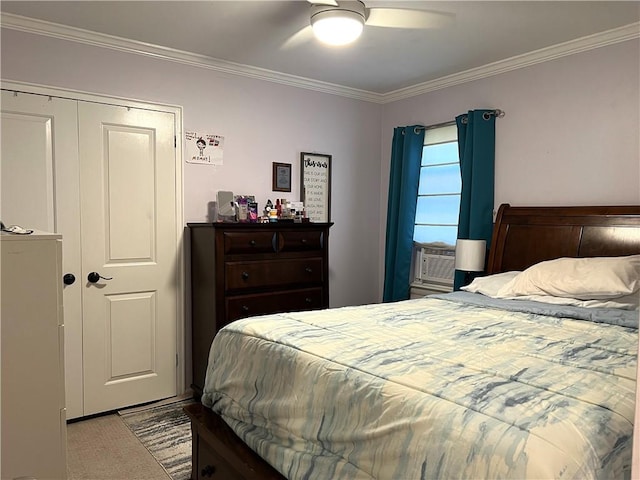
41 190
27 170
131 203
131 326
127 174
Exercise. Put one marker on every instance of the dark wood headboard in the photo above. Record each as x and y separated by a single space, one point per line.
523 236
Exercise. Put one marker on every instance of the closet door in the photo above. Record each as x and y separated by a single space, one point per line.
40 190
128 217
105 178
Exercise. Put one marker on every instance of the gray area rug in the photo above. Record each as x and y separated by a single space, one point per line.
166 432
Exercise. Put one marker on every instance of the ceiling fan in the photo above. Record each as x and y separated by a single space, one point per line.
340 22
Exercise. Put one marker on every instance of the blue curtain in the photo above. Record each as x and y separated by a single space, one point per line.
404 177
476 145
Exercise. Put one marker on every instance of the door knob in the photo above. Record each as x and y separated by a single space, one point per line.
68 278
93 277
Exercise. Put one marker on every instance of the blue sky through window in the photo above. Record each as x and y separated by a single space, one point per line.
441 153
438 194
440 179
428 234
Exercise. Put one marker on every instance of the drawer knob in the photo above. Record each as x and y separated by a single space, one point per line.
245 275
303 241
252 243
308 270
208 471
245 308
308 300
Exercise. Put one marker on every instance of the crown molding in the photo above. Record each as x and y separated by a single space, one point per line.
63 32
40 27
590 42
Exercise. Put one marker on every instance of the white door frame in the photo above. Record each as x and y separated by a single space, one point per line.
180 263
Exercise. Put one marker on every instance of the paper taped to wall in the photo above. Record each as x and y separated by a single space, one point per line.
203 148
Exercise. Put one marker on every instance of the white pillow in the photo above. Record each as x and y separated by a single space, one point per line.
491 284
629 302
581 278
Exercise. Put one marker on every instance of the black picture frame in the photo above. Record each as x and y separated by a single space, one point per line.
281 177
315 186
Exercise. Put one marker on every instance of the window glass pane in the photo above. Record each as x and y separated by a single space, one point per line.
427 234
439 209
438 200
440 179
442 153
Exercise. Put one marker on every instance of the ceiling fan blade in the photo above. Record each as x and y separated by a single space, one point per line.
406 18
304 35
333 3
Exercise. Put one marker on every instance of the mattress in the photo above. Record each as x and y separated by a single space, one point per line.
453 386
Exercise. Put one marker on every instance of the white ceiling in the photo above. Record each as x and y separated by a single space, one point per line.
383 60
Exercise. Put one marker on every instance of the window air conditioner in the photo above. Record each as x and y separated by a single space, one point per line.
434 265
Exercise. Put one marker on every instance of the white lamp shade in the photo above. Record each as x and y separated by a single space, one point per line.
470 255
337 27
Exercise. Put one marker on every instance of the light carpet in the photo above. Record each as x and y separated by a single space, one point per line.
166 432
104 448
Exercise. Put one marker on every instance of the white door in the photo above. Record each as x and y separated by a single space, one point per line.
105 178
127 185
41 190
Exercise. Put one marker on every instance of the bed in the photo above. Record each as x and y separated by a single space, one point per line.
462 385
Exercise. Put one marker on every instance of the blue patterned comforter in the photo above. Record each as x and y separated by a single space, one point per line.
429 388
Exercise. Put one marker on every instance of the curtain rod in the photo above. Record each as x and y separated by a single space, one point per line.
437 125
496 113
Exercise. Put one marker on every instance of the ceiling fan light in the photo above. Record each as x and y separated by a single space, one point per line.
337 27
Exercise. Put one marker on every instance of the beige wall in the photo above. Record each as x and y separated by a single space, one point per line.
570 135
262 122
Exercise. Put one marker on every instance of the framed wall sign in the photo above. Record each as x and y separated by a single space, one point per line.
315 185
281 177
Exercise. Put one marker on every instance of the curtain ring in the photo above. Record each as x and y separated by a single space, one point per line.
496 113
465 120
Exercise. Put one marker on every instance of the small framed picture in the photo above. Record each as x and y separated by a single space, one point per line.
281 177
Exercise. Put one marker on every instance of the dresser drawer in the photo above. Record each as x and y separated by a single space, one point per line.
282 301
249 242
300 241
271 273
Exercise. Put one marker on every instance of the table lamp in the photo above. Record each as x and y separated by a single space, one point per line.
470 257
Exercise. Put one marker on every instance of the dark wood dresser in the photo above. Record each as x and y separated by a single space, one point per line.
241 270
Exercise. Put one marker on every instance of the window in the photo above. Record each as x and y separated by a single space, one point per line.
436 221
439 189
